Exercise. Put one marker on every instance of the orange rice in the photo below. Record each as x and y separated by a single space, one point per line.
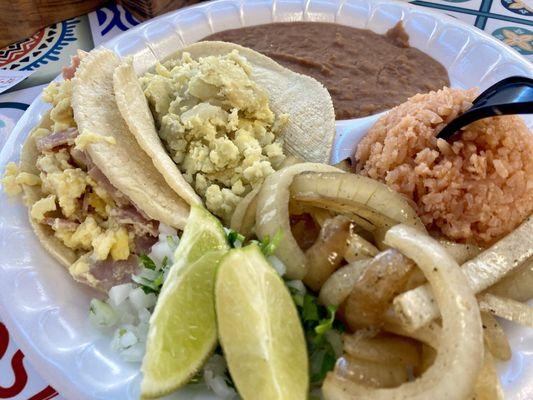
476 189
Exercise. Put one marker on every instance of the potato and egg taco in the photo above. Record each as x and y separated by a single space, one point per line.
226 117
95 199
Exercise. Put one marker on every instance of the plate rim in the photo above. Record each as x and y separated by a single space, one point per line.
45 366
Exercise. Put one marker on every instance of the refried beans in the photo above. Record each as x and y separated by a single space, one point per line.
364 72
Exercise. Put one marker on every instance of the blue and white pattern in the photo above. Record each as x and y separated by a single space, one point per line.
109 21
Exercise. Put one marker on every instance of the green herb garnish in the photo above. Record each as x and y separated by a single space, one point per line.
268 246
147 262
317 320
234 236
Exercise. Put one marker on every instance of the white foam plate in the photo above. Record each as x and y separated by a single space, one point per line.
46 311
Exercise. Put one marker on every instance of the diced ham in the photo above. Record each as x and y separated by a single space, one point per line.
61 223
68 72
112 191
81 158
57 139
110 273
130 215
143 244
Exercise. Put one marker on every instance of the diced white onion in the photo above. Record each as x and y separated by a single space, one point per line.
134 353
297 285
278 265
149 274
214 371
101 314
144 315
159 251
167 230
128 339
141 300
119 293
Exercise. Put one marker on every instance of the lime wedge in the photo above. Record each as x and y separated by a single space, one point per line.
259 329
183 331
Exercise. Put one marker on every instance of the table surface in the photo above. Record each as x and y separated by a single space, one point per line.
43 54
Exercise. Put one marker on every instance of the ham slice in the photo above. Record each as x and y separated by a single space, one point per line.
143 244
68 72
61 223
130 215
95 173
81 158
57 139
110 273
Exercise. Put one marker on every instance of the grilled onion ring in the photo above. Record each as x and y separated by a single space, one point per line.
461 342
273 214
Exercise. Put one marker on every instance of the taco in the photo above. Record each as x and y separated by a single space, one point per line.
222 117
95 199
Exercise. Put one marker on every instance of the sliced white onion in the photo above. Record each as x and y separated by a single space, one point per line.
506 308
356 196
461 342
243 218
339 285
417 307
272 214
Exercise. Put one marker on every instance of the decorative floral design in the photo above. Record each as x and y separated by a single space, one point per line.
40 49
519 39
114 16
518 7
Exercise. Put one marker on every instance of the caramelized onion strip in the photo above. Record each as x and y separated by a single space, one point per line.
272 215
461 341
243 218
358 197
506 308
417 307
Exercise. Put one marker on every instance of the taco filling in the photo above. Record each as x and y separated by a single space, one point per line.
85 212
217 125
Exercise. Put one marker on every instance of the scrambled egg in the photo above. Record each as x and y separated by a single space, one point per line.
68 191
59 94
86 138
217 125
13 179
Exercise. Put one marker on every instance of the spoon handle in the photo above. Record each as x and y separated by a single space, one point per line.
512 95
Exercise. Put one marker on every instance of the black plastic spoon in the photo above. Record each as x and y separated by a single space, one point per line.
512 95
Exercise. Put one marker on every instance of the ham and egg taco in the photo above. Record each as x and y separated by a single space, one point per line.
95 199
223 117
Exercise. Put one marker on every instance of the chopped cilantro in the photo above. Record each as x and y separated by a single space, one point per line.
234 236
147 262
164 263
268 246
327 323
310 309
317 320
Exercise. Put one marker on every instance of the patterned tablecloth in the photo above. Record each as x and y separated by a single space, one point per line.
43 54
